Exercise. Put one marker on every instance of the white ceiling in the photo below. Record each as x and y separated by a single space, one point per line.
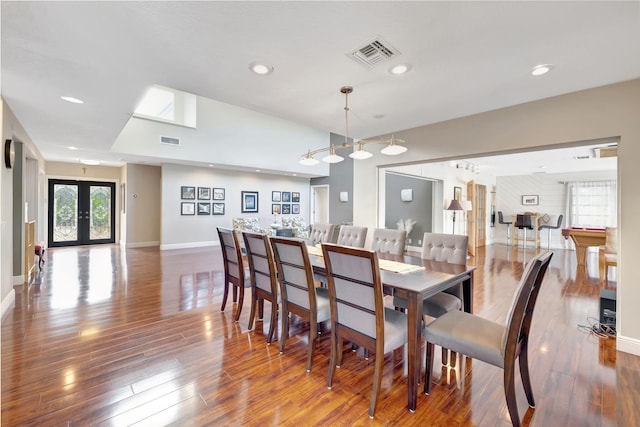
466 57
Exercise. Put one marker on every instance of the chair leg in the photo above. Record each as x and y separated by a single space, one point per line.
313 334
428 369
252 312
377 381
235 294
333 358
510 395
225 294
453 357
445 356
339 346
606 274
523 360
274 320
285 327
240 301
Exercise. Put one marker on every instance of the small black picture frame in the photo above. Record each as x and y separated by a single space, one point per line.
188 193
249 201
218 193
295 208
218 208
275 196
286 209
204 193
204 208
530 200
187 208
286 197
295 197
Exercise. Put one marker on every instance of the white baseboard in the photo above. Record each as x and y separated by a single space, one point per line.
170 246
18 280
628 345
8 302
142 244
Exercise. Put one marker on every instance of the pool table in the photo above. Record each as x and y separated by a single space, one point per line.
583 238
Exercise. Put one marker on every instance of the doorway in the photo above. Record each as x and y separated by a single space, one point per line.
81 212
319 204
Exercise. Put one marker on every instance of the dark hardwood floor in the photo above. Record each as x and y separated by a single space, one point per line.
116 337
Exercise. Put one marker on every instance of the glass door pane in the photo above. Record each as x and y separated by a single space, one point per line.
65 213
100 212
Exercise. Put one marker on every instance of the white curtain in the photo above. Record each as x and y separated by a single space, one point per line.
592 204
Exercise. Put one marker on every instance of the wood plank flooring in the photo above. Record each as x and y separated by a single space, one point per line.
113 337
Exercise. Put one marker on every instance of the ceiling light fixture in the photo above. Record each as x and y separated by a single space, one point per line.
399 69
72 99
393 144
261 68
90 162
541 69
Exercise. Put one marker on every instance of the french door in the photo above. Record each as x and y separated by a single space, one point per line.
81 212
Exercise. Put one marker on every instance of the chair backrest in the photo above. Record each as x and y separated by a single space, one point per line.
501 218
232 256
451 248
321 233
355 290
351 235
295 272
389 241
261 266
611 240
519 318
559 224
523 221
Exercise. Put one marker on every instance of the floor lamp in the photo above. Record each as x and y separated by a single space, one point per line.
455 206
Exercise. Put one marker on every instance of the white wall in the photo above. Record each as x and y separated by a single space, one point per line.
180 231
605 112
142 216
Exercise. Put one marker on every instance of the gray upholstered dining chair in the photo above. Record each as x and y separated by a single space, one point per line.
494 343
298 291
451 248
351 235
357 310
321 233
263 279
389 241
234 270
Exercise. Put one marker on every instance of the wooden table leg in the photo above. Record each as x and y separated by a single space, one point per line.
467 294
414 332
581 254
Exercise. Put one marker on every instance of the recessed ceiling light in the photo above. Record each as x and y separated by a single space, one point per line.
541 69
399 69
72 148
261 68
90 162
72 99
257 170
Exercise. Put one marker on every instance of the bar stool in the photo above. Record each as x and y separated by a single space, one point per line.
508 223
549 227
523 222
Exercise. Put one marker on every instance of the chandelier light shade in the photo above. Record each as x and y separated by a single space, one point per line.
393 144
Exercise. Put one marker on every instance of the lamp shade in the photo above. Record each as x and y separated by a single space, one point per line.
455 206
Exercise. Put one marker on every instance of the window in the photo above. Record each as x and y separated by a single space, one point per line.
592 203
168 105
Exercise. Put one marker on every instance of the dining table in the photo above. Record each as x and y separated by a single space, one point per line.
414 279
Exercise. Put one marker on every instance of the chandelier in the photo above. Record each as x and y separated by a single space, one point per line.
393 144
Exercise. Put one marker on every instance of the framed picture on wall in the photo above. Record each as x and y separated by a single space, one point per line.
295 197
275 196
249 201
286 197
204 208
530 200
275 208
218 208
295 208
286 209
457 193
204 193
218 193
188 208
188 193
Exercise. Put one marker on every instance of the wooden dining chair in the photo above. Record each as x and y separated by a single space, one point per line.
357 310
490 342
263 278
450 248
234 270
298 291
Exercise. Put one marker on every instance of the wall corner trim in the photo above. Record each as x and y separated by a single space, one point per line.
169 246
628 345
8 302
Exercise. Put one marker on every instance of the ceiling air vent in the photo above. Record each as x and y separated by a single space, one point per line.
169 140
375 52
